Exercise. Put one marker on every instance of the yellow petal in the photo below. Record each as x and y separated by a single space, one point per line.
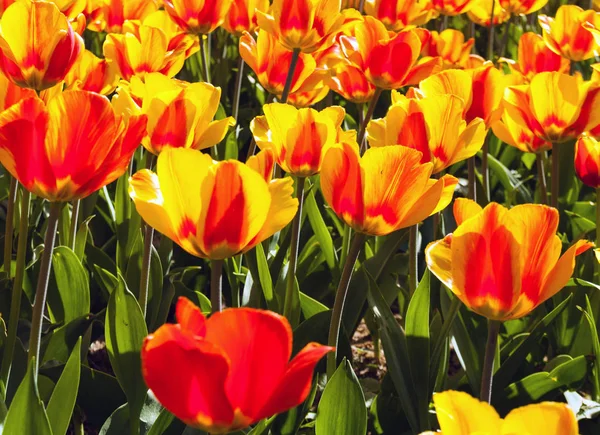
453 82
549 418
438 256
465 209
460 414
214 133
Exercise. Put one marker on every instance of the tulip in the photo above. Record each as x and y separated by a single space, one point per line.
241 16
11 94
459 413
180 115
217 353
110 15
481 13
435 126
70 147
299 138
450 45
452 7
211 209
587 161
304 25
147 48
197 17
38 47
534 57
306 98
350 82
399 14
90 73
565 34
522 7
513 274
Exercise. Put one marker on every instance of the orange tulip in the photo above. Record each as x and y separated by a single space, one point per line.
299 138
452 7
38 47
481 13
435 126
12 94
384 190
522 7
211 209
180 115
459 413
399 14
388 59
155 46
90 73
450 45
111 15
565 34
587 161
306 25
503 263
351 83
534 57
239 356
197 17
241 16
70 147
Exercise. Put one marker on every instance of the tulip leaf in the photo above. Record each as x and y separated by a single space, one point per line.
166 423
342 409
26 415
69 288
59 343
117 423
507 179
322 234
128 222
589 315
125 330
82 237
99 395
418 345
62 402
310 306
105 279
264 277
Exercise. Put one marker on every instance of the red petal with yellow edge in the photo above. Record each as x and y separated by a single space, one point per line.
459 413
263 163
236 202
424 68
438 256
190 318
551 417
258 345
587 161
188 377
296 383
342 183
63 58
465 209
170 121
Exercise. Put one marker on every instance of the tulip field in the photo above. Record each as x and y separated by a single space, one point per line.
299 217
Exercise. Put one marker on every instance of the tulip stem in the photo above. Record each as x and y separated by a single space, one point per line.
485 171
145 273
472 191
74 222
365 122
490 47
291 274
290 76
42 286
204 56
541 176
8 228
238 89
216 285
488 360
17 293
555 176
413 266
340 299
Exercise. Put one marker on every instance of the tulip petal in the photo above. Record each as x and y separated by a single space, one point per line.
435 198
458 413
464 209
263 163
449 82
258 345
214 133
554 418
438 256
190 318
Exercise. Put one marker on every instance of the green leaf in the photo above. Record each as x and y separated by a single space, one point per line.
342 409
125 330
310 306
117 423
26 415
59 344
507 179
418 345
589 315
128 222
105 279
62 402
264 277
82 237
69 287
99 395
320 229
162 424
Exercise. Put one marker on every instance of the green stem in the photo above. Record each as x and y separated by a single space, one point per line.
290 76
291 274
42 285
555 176
145 273
204 56
17 292
74 223
490 49
365 122
485 172
345 243
488 360
340 299
541 177
445 330
471 179
8 228
413 267
216 285
238 89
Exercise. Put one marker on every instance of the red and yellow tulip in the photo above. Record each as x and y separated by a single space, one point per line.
110 15
565 35
299 138
70 147
522 7
503 263
587 161
452 7
240 357
38 46
350 82
481 13
90 73
211 209
385 190
12 94
435 126
450 45
399 14
241 16
197 17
